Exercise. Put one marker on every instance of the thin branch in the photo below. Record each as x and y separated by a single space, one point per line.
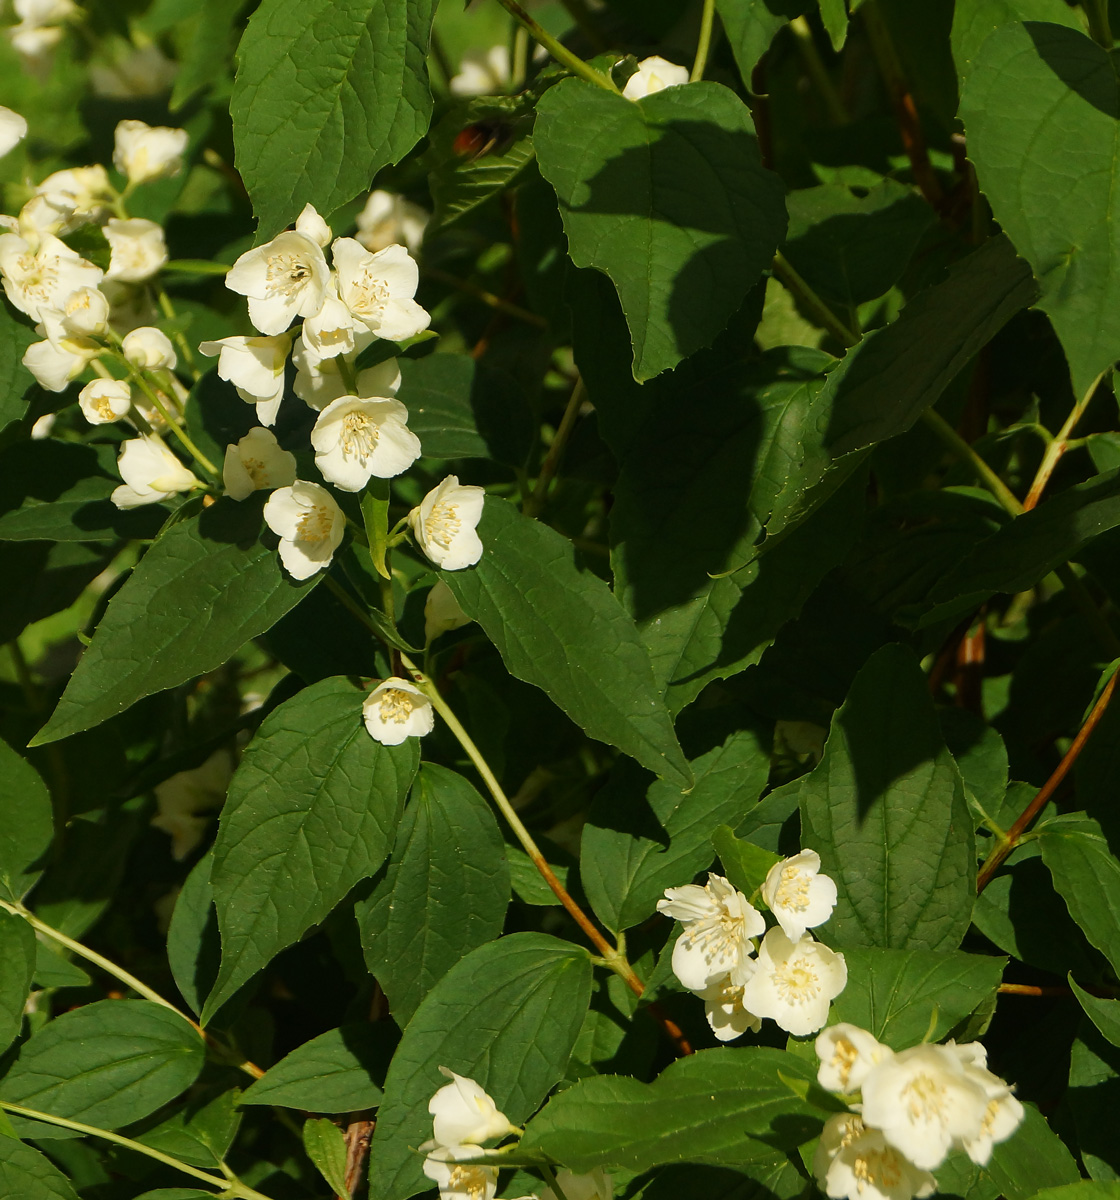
703 42
824 315
818 73
552 459
557 49
1058 445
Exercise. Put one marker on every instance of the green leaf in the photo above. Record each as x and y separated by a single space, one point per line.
1094 1076
750 26
1085 1189
561 629
193 948
834 17
326 1147
200 593
29 1175
1086 875
446 890
645 835
28 824
59 491
885 810
204 59
974 20
54 971
901 996
327 93
729 1107
507 1016
744 864
311 810
106 1064
1105 1014
15 378
17 966
339 1071
1041 105
1033 1158
375 517
667 196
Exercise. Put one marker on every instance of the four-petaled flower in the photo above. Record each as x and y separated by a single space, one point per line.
143 152
456 1180
798 895
461 1110
719 927
397 709
795 982
105 400
256 463
847 1055
255 367
283 279
856 1163
310 526
444 524
355 439
378 289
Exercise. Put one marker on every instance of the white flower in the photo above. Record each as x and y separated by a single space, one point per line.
43 12
138 249
144 152
309 524
723 1004
461 1110
13 129
482 72
444 524
797 895
355 439
151 473
77 194
442 612
331 331
393 711
255 367
55 363
149 348
39 217
459 1182
181 799
145 71
379 288
925 1101
283 279
654 74
855 1162
84 313
719 925
319 379
312 226
44 277
43 427
389 219
257 463
795 982
595 1184
847 1054
105 400
35 45
1004 1112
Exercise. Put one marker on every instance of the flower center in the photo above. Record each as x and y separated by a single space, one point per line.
397 706
793 889
285 275
39 277
844 1057
104 409
796 981
315 525
442 524
256 471
877 1169
924 1098
371 294
358 437
471 1181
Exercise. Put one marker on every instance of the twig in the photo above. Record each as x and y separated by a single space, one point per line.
552 459
816 306
703 42
819 75
1057 447
487 298
358 1134
557 49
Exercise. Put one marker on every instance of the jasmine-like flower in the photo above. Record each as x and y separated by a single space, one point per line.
719 927
396 709
105 400
795 982
654 74
355 439
145 152
319 378
13 129
310 526
42 277
255 367
798 895
847 1055
149 348
257 463
283 279
378 289
442 612
444 524
151 473
54 363
389 219
723 1004
137 247
459 1181
1004 1112
854 1162
461 1110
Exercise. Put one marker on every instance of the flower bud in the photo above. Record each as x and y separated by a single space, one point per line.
105 400
145 152
149 348
138 249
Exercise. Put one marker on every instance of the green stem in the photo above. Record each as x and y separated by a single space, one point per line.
487 298
818 73
168 310
346 370
439 54
141 382
227 1185
816 306
552 459
550 1178
1100 28
557 49
1057 446
704 42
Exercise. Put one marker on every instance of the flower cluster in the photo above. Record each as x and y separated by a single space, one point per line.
792 980
913 1108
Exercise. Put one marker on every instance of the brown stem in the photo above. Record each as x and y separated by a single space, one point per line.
1057 448
1015 833
358 1135
1028 989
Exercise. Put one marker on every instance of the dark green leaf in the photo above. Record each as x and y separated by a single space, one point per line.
974 20
744 864
1086 875
885 810
204 60
1105 1014
563 630
1033 1158
326 1147
53 971
28 824
681 257
339 1071
200 593
29 1175
834 17
311 811
17 966
15 378
750 26
445 892
1086 1189
507 1016
193 949
327 93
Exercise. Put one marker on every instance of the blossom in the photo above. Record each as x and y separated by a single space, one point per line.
255 367
145 152
319 379
797 895
105 400
723 1004
331 331
149 348
182 799
855 1162
13 129
719 925
444 524
847 1055
442 612
309 524
55 362
283 279
143 71
388 219
393 711
379 288
455 1181
312 226
35 45
77 194
85 313
151 473
925 1100
43 277
482 72
461 1110
795 982
595 1184
356 438
138 249
1004 1112
257 463
654 74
